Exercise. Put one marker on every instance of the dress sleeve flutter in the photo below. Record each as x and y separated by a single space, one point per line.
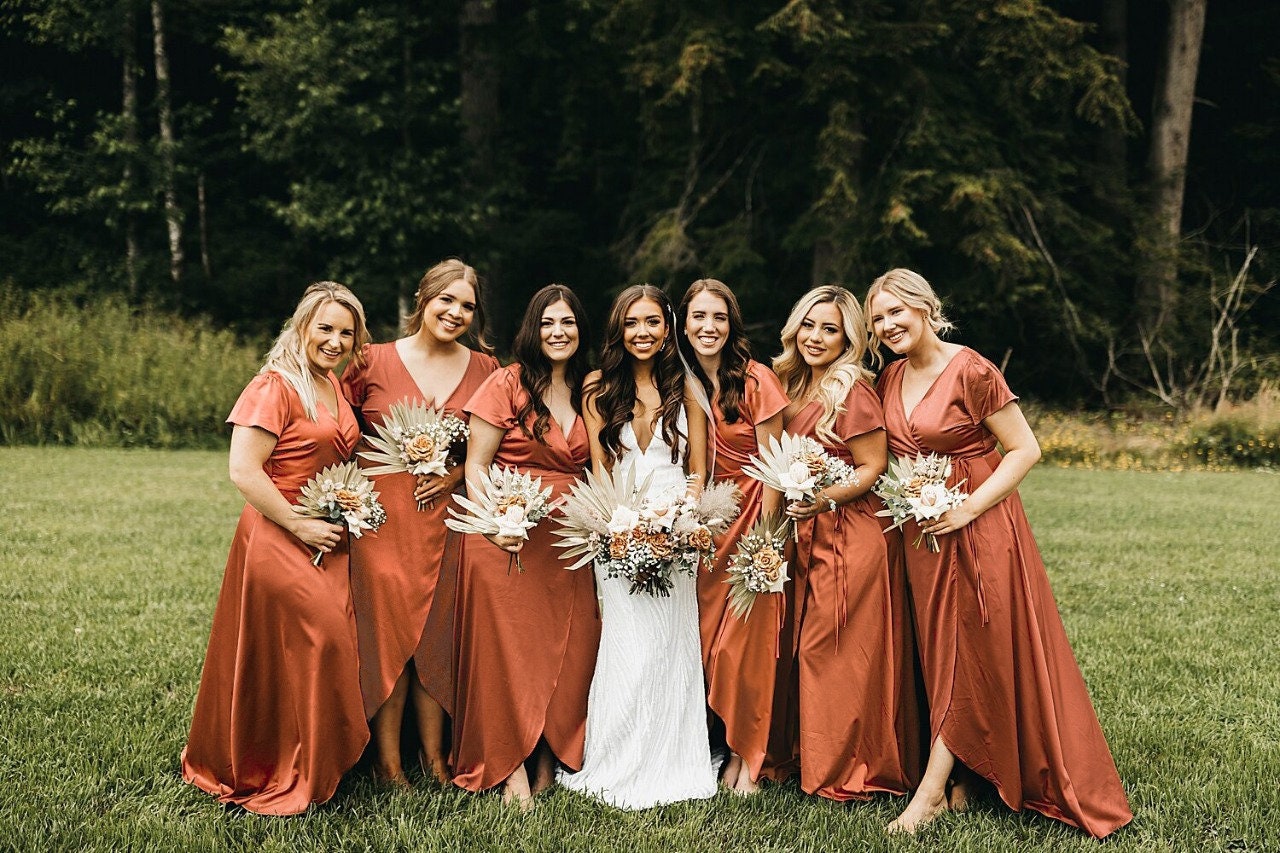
264 403
862 412
984 389
495 401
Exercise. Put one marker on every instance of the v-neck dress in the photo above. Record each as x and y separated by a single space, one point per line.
278 718
739 656
856 692
1005 692
394 574
523 641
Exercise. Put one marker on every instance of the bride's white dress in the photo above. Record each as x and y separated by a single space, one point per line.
646 712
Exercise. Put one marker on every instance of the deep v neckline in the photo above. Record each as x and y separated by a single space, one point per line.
644 451
431 401
902 401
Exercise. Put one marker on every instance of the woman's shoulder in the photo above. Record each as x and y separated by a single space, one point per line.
486 362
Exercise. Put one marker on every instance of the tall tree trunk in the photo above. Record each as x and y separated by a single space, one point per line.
1167 164
168 145
479 109
203 208
129 112
1113 148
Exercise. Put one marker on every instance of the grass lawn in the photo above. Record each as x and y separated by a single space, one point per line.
111 561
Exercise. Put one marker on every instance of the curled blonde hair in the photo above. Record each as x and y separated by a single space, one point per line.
841 374
433 283
288 355
915 292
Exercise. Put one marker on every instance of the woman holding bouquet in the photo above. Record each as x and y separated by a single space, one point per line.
747 402
1006 697
278 718
394 574
524 638
855 670
646 741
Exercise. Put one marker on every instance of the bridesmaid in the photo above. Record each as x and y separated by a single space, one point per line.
525 639
747 404
856 697
1006 696
278 718
394 574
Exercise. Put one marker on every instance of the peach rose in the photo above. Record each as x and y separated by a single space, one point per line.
769 563
348 500
421 448
700 539
618 545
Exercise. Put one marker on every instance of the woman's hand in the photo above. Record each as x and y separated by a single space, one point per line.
316 533
805 510
951 520
510 544
432 487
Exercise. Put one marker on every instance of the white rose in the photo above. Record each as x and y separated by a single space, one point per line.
932 503
512 522
623 520
797 482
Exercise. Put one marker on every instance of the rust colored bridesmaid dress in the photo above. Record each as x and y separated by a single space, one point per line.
524 642
393 575
739 657
1005 693
278 718
857 704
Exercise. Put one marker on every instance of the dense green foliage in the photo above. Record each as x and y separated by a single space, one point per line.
108 605
770 144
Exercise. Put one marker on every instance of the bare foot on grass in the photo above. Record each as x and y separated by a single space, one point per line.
921 811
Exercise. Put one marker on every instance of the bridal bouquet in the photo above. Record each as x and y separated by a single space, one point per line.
505 502
415 439
797 466
917 489
342 494
640 537
757 567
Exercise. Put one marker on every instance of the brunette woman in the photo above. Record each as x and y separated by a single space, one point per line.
1006 698
278 718
747 402
856 694
394 574
525 638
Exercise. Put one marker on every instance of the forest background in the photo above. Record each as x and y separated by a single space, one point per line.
1092 185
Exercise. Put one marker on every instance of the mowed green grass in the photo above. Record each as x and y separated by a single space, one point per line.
110 563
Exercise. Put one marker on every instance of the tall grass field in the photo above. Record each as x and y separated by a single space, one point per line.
111 559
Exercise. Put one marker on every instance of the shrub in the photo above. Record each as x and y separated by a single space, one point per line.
1239 435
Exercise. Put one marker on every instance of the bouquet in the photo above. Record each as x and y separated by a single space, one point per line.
414 439
641 537
797 466
757 566
917 489
504 502
342 494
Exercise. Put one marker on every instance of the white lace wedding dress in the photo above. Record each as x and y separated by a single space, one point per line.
646 712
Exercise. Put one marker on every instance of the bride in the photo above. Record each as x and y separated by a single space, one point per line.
646 740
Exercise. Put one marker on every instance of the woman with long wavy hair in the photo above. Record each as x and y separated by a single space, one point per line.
646 741
1006 698
278 718
747 403
524 640
856 688
394 574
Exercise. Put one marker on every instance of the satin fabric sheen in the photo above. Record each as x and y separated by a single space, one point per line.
394 575
857 706
739 657
278 718
523 642
1005 693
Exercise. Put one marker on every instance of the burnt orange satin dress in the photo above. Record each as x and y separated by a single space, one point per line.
739 657
524 642
856 705
278 718
1005 693
393 575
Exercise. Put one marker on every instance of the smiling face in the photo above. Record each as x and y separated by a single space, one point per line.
821 338
896 324
643 329
707 324
329 337
558 332
449 313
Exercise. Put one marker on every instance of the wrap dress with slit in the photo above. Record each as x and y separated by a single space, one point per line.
394 575
1005 693
278 718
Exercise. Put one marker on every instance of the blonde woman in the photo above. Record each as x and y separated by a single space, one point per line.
856 693
278 718
1006 698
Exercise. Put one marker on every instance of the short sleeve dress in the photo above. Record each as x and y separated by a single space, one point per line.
857 700
1005 693
393 575
739 656
524 640
278 718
